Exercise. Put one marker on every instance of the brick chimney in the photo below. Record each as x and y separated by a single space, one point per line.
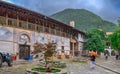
72 23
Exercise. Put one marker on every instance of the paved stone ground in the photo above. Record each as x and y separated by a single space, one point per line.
19 67
84 68
111 63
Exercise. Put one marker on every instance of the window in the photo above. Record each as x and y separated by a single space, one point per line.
46 29
2 20
39 28
12 22
58 32
52 31
31 26
23 25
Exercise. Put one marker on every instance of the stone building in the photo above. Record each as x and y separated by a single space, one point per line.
21 28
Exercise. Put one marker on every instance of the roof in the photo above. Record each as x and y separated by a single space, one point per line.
33 13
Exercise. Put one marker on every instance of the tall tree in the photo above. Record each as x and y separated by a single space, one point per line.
95 40
115 40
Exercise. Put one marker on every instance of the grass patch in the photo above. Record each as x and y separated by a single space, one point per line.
42 69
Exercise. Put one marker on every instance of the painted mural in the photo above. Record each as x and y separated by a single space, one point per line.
59 41
67 41
33 38
15 35
5 33
45 38
40 38
6 46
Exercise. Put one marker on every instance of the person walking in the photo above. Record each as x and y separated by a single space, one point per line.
92 61
117 55
106 56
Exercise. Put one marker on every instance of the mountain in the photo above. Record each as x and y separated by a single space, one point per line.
84 19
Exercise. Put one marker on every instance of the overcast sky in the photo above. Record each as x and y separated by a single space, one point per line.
107 9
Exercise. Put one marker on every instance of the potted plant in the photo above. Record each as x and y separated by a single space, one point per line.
13 57
68 56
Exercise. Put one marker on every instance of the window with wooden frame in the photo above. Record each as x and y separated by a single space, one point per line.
31 26
2 20
2 16
12 22
57 28
39 22
52 28
73 34
70 33
46 27
39 28
67 32
62 31
23 24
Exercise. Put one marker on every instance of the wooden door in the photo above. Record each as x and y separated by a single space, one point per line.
24 51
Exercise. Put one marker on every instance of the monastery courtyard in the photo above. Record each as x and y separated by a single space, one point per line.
110 66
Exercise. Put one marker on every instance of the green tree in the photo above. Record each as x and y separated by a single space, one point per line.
95 40
115 40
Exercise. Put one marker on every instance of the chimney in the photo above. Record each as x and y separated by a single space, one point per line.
72 23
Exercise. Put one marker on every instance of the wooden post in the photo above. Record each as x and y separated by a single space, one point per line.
73 49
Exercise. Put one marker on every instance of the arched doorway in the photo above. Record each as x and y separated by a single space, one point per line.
112 53
24 48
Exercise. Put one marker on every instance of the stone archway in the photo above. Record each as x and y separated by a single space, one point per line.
24 38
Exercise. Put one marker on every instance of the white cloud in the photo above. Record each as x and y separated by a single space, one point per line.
8 1
103 8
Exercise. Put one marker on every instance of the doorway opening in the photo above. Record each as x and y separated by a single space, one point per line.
24 51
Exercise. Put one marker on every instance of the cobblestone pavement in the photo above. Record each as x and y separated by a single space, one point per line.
72 68
18 67
84 68
111 63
